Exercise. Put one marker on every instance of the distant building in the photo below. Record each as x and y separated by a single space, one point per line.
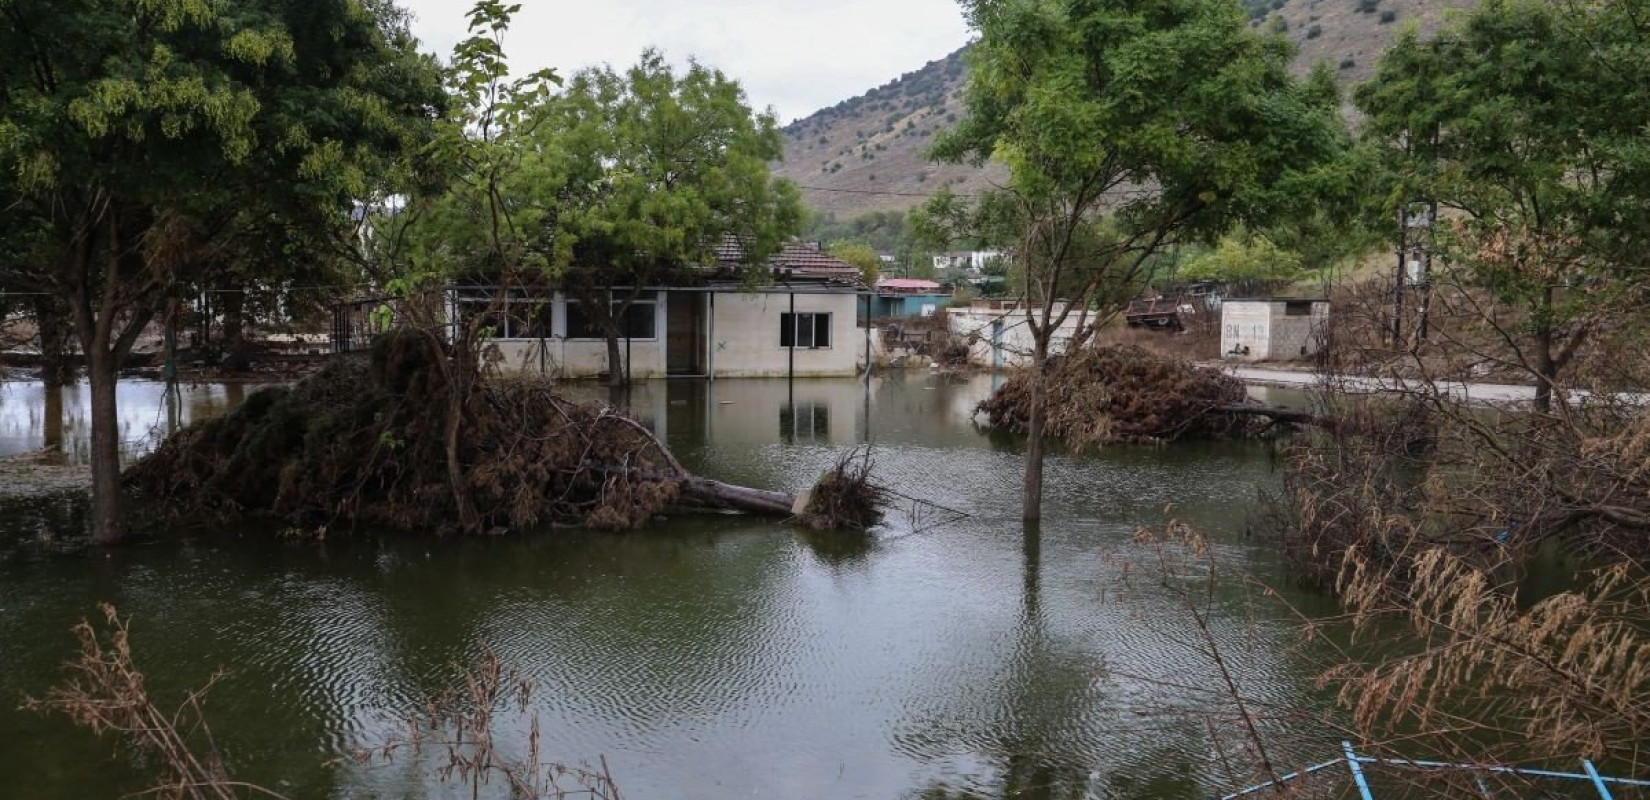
909 297
706 322
1272 329
972 260
998 335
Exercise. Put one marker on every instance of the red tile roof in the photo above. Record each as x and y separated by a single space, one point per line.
801 258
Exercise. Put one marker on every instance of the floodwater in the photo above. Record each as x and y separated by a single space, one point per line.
711 656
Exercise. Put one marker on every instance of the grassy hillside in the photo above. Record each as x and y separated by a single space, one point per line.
866 153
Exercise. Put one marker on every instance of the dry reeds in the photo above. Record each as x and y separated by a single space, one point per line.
105 692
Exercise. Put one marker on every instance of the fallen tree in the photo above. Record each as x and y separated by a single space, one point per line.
369 442
1105 394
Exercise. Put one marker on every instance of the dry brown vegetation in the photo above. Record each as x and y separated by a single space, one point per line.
104 691
1105 394
363 442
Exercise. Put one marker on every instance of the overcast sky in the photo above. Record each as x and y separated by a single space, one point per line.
794 55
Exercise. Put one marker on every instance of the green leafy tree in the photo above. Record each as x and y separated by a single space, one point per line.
861 256
653 170
1525 123
1248 263
1127 126
138 133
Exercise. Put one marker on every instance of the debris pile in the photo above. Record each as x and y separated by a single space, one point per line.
1100 395
845 496
400 442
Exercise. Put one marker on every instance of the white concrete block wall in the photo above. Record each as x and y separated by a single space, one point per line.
1263 330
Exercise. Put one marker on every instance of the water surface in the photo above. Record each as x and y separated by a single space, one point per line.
709 656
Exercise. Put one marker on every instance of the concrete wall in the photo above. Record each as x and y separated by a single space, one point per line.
1001 337
744 341
1263 330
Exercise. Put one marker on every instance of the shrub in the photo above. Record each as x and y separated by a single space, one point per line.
1314 32
1280 25
1388 16
1348 63
1368 6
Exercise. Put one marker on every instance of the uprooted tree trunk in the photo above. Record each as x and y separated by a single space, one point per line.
363 443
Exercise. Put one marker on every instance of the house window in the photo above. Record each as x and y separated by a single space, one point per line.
805 330
638 321
1297 308
512 317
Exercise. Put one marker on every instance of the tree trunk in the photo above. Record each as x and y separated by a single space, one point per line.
54 340
101 372
615 360
1546 367
233 306
1032 504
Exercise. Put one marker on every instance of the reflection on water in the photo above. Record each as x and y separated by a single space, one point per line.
33 417
710 655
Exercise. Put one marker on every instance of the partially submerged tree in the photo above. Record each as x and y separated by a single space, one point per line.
1524 125
128 127
1128 126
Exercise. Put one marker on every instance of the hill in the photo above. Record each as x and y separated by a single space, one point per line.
866 153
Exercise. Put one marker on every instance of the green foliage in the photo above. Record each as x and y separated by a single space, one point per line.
1279 25
1368 6
1089 103
1388 17
861 256
1246 260
1314 32
1348 63
1526 123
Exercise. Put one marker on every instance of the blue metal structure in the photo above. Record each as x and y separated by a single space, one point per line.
1355 764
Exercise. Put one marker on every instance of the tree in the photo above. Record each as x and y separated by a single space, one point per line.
135 133
861 256
654 170
1524 124
1127 126
1248 262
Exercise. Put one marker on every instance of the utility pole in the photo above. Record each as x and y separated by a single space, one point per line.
1398 277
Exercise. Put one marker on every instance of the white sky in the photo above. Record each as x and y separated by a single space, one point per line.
794 55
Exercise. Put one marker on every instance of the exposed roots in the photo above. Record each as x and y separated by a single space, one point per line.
845 496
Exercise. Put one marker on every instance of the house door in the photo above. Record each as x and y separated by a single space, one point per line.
684 333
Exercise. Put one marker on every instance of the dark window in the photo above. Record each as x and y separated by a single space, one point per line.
638 321
805 330
1297 308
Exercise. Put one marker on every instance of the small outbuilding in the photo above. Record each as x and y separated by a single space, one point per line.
1272 329
909 297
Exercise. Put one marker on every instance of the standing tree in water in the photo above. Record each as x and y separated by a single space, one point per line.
131 129
1128 126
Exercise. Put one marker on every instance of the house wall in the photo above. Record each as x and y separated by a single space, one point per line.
744 337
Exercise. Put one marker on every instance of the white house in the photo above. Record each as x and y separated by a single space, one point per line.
972 260
1272 329
803 323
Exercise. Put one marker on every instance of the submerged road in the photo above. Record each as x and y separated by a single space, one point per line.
1485 393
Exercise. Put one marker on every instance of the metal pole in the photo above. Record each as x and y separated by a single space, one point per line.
791 368
1398 283
867 342
1357 771
1426 271
710 340
1598 782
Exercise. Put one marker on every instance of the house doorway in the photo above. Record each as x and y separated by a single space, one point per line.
685 333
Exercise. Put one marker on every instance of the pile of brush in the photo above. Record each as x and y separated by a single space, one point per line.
845 496
416 439
1099 395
